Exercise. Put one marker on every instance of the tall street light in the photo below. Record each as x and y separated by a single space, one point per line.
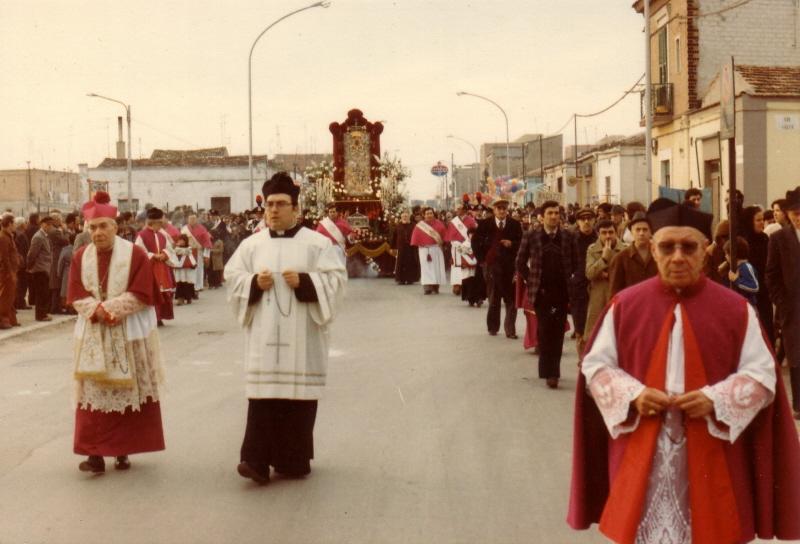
477 161
324 4
508 154
128 117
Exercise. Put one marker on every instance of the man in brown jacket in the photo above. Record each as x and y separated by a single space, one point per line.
635 263
9 265
598 259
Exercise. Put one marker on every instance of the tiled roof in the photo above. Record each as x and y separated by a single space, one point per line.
771 80
182 161
174 154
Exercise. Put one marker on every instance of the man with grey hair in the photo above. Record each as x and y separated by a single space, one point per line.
683 432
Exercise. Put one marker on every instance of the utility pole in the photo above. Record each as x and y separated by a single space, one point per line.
648 90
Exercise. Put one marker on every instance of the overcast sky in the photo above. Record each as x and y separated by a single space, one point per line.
182 65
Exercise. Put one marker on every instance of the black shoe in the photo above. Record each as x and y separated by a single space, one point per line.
94 464
492 333
552 383
160 323
512 336
292 474
122 463
247 471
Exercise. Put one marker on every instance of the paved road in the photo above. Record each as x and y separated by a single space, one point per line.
430 432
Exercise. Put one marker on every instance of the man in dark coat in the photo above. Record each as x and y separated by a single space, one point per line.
547 262
495 244
23 244
783 281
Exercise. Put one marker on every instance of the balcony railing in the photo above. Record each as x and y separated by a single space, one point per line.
661 99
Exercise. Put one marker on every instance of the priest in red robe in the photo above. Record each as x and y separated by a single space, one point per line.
200 241
428 235
337 230
156 242
685 433
457 234
117 356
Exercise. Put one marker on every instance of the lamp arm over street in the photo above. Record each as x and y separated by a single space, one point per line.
129 167
508 153
324 4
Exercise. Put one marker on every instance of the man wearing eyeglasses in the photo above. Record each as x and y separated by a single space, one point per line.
682 431
285 284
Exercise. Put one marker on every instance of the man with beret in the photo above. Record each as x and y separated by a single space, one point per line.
495 244
156 242
585 236
635 263
285 286
683 432
783 281
117 359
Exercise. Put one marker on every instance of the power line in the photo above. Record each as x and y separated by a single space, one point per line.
723 10
165 133
629 91
572 117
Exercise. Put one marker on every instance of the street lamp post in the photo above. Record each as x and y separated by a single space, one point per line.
508 153
128 118
324 4
477 161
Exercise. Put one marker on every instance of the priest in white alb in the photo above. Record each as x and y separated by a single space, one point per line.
117 354
457 234
285 285
428 236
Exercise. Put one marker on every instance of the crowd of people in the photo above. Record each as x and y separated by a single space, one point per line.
678 332
553 261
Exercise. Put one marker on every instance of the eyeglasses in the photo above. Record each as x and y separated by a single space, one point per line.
280 204
687 247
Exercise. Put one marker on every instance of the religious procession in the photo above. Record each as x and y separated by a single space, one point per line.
315 323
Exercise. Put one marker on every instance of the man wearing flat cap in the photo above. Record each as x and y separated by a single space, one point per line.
585 236
683 432
285 286
783 281
635 263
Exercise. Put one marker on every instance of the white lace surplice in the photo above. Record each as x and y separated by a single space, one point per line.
737 400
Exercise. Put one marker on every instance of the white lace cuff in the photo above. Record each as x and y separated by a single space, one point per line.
86 307
737 400
613 390
123 305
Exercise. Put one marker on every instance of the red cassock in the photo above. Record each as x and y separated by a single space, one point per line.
155 242
115 433
421 238
736 491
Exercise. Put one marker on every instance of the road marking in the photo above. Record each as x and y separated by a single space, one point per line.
402 399
202 363
335 353
44 392
224 373
24 392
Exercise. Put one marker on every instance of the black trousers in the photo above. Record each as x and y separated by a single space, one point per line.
40 291
280 432
550 331
22 288
499 289
55 300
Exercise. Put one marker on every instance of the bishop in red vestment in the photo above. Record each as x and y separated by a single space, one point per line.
685 433
117 355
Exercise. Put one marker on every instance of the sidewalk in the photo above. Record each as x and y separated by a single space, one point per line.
29 324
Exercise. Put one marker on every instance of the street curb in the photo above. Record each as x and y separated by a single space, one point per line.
18 332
